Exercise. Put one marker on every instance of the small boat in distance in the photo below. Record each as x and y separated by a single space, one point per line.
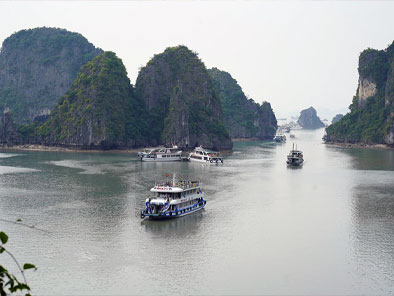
174 198
295 157
200 154
161 154
280 138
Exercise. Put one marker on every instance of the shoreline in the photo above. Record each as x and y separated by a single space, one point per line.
43 148
360 145
246 139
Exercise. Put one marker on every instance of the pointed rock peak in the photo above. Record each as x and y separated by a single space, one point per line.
37 67
309 120
100 110
183 102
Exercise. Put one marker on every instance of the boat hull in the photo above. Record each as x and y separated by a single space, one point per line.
147 159
206 161
172 215
295 162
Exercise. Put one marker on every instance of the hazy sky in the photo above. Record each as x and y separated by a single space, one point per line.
292 54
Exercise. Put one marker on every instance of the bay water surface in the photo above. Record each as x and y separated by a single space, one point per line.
324 228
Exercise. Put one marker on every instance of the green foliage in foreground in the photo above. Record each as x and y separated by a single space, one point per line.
9 283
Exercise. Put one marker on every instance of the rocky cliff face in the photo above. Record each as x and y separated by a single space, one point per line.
389 97
243 117
371 116
8 129
366 89
37 67
99 111
309 120
183 103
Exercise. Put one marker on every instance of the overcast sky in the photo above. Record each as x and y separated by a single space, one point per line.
292 54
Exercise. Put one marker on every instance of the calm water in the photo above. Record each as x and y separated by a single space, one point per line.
325 228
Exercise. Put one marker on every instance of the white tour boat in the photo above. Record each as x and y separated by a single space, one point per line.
295 157
174 198
161 154
200 154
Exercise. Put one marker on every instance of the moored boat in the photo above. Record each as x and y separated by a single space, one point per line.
295 157
200 154
280 138
161 154
174 198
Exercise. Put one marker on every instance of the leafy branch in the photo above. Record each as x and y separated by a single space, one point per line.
9 283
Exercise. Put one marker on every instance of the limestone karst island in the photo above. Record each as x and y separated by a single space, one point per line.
196 148
57 89
371 116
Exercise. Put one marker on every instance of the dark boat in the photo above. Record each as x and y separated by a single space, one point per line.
295 157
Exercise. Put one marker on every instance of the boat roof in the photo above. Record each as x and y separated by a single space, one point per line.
179 186
162 149
205 150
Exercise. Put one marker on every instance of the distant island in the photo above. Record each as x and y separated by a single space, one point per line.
371 116
336 118
309 120
57 89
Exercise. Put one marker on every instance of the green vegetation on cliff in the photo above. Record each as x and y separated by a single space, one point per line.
183 103
371 116
37 67
61 90
366 124
243 117
99 110
373 64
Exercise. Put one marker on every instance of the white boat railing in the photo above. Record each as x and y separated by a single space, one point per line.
181 184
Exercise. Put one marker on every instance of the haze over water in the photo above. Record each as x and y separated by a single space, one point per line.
325 228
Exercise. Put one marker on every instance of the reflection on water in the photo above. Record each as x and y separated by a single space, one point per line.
175 227
373 211
323 228
370 159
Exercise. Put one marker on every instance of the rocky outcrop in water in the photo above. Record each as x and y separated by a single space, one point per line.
37 67
243 117
99 111
309 120
183 103
371 116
